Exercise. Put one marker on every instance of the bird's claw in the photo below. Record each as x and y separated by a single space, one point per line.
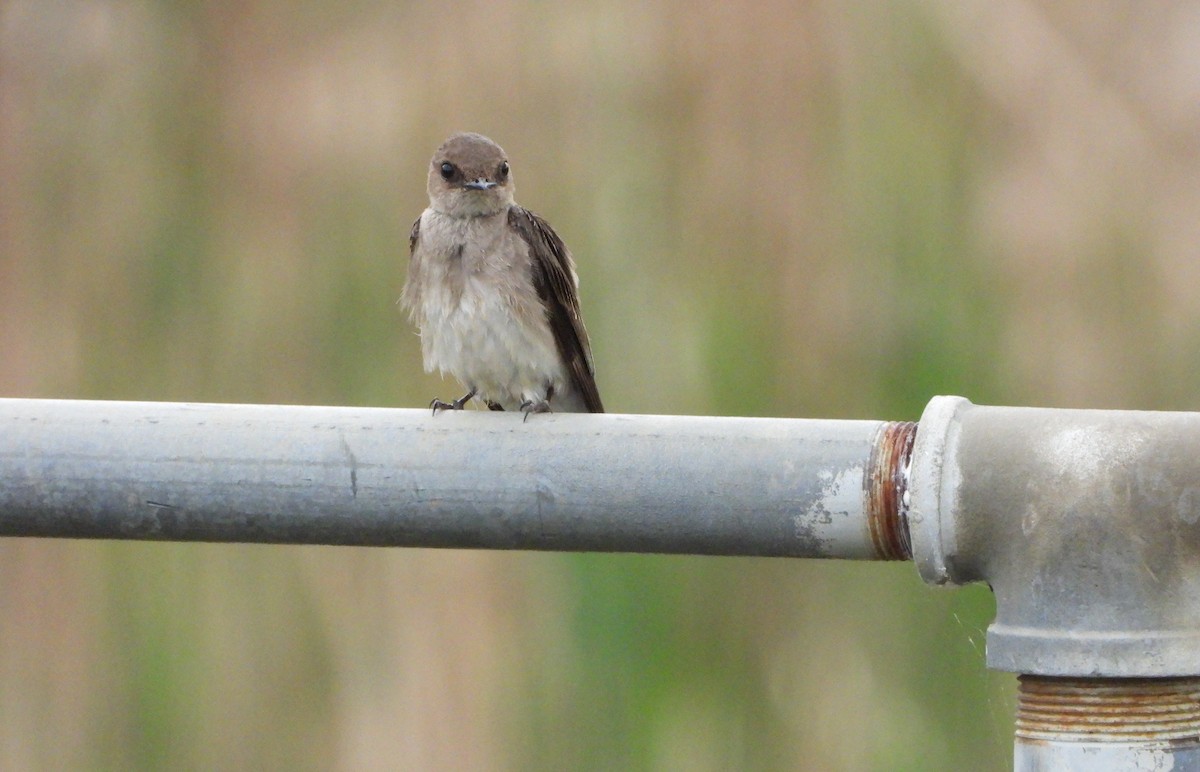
457 404
529 406
437 405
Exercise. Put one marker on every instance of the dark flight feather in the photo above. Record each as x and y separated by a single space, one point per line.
552 278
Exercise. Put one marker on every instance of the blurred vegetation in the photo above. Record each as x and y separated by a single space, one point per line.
794 209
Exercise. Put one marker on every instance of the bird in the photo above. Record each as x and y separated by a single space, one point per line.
493 291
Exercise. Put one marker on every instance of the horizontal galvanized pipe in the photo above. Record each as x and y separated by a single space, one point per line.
388 477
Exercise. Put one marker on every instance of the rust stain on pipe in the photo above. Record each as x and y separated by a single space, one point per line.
886 481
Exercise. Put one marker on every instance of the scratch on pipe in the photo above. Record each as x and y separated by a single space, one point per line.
353 467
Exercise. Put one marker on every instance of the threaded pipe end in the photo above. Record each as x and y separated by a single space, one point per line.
1103 710
887 485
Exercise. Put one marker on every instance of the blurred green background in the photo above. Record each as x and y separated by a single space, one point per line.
817 209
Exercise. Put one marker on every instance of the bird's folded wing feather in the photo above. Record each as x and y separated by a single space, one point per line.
554 278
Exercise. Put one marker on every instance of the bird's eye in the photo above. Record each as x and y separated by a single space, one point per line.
503 171
447 170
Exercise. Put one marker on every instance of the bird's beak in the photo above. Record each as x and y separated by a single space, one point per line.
479 184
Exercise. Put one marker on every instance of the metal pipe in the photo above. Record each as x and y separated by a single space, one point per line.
369 476
1086 524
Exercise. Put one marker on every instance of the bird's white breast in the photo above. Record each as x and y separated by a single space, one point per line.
481 320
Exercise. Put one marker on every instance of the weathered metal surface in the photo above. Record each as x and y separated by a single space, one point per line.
328 475
1086 524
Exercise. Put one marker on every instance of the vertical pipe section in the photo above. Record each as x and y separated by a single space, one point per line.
361 476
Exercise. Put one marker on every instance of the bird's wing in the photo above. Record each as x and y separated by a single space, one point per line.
554 278
408 295
413 235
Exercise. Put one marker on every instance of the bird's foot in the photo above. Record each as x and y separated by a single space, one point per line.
530 406
495 406
457 404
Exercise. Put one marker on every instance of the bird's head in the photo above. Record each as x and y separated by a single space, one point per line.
469 177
